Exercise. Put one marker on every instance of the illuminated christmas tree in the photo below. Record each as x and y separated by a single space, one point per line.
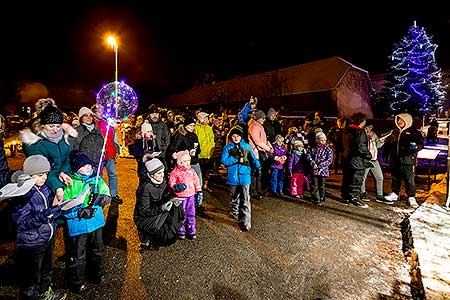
414 82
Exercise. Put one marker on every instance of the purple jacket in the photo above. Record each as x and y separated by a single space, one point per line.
322 157
278 151
297 163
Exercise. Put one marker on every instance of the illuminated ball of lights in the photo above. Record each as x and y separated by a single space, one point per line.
119 101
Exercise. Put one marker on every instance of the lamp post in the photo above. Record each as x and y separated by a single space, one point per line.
112 41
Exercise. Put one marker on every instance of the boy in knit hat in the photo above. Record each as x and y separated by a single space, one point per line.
35 221
238 158
157 218
186 184
84 223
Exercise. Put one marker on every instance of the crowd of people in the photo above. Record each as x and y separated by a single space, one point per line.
176 154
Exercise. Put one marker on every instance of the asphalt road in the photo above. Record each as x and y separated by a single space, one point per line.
295 250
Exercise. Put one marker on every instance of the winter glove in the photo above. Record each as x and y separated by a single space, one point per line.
101 199
49 213
179 187
199 198
19 177
86 212
235 152
166 206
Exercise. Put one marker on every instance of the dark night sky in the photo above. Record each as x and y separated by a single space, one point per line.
164 49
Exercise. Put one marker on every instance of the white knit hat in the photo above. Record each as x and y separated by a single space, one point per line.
154 166
146 127
320 135
84 110
201 116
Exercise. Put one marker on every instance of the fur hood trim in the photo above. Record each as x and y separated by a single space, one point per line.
29 137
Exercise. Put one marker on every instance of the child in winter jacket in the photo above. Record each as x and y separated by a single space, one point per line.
296 168
277 166
158 219
238 158
84 223
321 158
186 184
36 227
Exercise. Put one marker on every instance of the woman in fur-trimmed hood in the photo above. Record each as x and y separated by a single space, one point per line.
50 137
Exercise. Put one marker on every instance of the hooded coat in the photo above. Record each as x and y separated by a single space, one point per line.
404 143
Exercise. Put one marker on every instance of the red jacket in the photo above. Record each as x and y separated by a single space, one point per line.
110 151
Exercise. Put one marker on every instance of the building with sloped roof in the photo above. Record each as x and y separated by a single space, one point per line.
333 86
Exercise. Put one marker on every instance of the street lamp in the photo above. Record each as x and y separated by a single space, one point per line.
113 42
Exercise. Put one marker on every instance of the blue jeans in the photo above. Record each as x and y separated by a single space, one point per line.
113 180
277 181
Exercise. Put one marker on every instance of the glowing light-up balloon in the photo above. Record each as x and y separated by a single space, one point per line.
118 107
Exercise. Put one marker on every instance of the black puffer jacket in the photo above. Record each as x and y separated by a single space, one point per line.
148 213
356 153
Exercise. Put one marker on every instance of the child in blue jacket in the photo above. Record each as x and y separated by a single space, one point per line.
84 224
36 227
237 156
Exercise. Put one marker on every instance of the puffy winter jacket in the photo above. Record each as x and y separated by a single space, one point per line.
32 232
76 225
239 171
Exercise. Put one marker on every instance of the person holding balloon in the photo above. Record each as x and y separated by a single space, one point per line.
110 152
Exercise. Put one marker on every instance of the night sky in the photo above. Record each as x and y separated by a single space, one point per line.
164 49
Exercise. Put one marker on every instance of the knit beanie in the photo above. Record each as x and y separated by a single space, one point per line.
78 160
36 164
51 115
279 137
259 114
298 144
75 123
84 110
236 130
320 135
181 156
146 127
153 166
271 112
153 109
201 116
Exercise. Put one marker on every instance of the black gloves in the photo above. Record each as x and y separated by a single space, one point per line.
49 213
19 177
236 152
86 212
101 199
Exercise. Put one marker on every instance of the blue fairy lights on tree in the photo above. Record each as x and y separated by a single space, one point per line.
414 80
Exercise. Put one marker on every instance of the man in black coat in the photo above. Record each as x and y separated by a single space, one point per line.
356 158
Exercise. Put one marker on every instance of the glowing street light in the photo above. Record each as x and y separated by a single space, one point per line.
113 42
